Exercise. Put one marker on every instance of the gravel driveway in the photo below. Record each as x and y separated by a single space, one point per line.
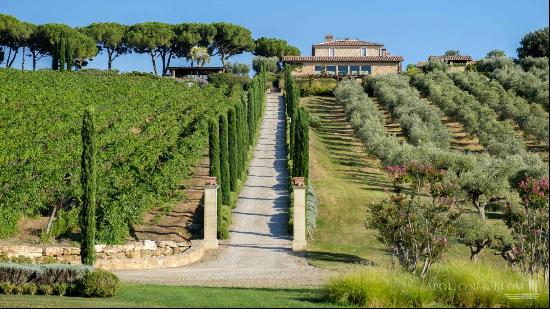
258 253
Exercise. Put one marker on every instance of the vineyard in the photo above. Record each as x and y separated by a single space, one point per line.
150 133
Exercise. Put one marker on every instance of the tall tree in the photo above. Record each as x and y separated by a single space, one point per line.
452 52
14 34
190 40
230 40
214 156
199 55
233 144
534 44
272 47
89 188
155 39
109 37
496 53
224 160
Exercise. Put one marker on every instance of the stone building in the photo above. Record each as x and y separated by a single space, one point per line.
345 57
457 63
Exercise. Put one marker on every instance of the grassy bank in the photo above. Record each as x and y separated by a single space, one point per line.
173 296
346 181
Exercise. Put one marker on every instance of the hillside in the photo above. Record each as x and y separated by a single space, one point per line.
151 132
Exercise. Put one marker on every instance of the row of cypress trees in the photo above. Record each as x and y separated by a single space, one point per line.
231 134
298 128
62 53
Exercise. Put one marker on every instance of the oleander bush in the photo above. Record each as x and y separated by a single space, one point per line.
150 133
531 118
420 121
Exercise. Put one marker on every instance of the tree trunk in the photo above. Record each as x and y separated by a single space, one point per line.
223 60
8 59
154 63
480 208
23 58
34 60
109 60
425 268
14 56
50 222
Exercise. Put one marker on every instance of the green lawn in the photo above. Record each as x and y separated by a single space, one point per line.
173 296
346 180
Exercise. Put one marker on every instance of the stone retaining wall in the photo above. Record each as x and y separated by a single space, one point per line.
145 254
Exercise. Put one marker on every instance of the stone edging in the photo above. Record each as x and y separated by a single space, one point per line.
145 254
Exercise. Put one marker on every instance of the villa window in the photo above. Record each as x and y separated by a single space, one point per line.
366 69
343 70
363 52
331 52
331 69
319 69
354 69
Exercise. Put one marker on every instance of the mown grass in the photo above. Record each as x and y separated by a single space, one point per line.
173 296
346 180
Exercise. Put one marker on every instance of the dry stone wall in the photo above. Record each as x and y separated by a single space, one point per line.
146 254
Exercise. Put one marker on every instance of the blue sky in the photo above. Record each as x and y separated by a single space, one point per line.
412 29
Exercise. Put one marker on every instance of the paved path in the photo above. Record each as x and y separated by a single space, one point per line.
258 253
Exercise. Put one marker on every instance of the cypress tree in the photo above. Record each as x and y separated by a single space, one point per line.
224 160
233 144
61 51
88 182
244 120
69 56
240 139
300 160
214 156
251 127
55 55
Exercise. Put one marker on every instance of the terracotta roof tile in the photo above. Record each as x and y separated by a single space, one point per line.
348 43
342 59
451 58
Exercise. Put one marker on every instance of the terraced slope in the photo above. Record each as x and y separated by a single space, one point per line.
392 127
181 222
461 139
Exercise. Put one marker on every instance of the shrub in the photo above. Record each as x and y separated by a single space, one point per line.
315 121
7 288
61 289
229 80
99 283
29 288
45 289
269 63
41 274
481 285
377 287
311 208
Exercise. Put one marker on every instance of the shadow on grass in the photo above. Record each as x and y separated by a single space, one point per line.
338 258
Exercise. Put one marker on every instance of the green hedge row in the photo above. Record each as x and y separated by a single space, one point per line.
297 137
57 279
232 133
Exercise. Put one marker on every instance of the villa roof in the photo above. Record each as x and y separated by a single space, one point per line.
348 43
451 58
342 59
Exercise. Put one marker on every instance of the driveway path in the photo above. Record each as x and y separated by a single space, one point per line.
258 253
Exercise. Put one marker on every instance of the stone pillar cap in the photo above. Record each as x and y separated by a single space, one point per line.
298 181
211 181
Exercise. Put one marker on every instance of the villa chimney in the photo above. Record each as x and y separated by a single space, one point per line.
329 38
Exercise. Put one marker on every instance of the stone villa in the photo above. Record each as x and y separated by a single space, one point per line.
346 57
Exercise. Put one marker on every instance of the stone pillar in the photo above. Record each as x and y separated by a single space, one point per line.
173 73
299 192
211 214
